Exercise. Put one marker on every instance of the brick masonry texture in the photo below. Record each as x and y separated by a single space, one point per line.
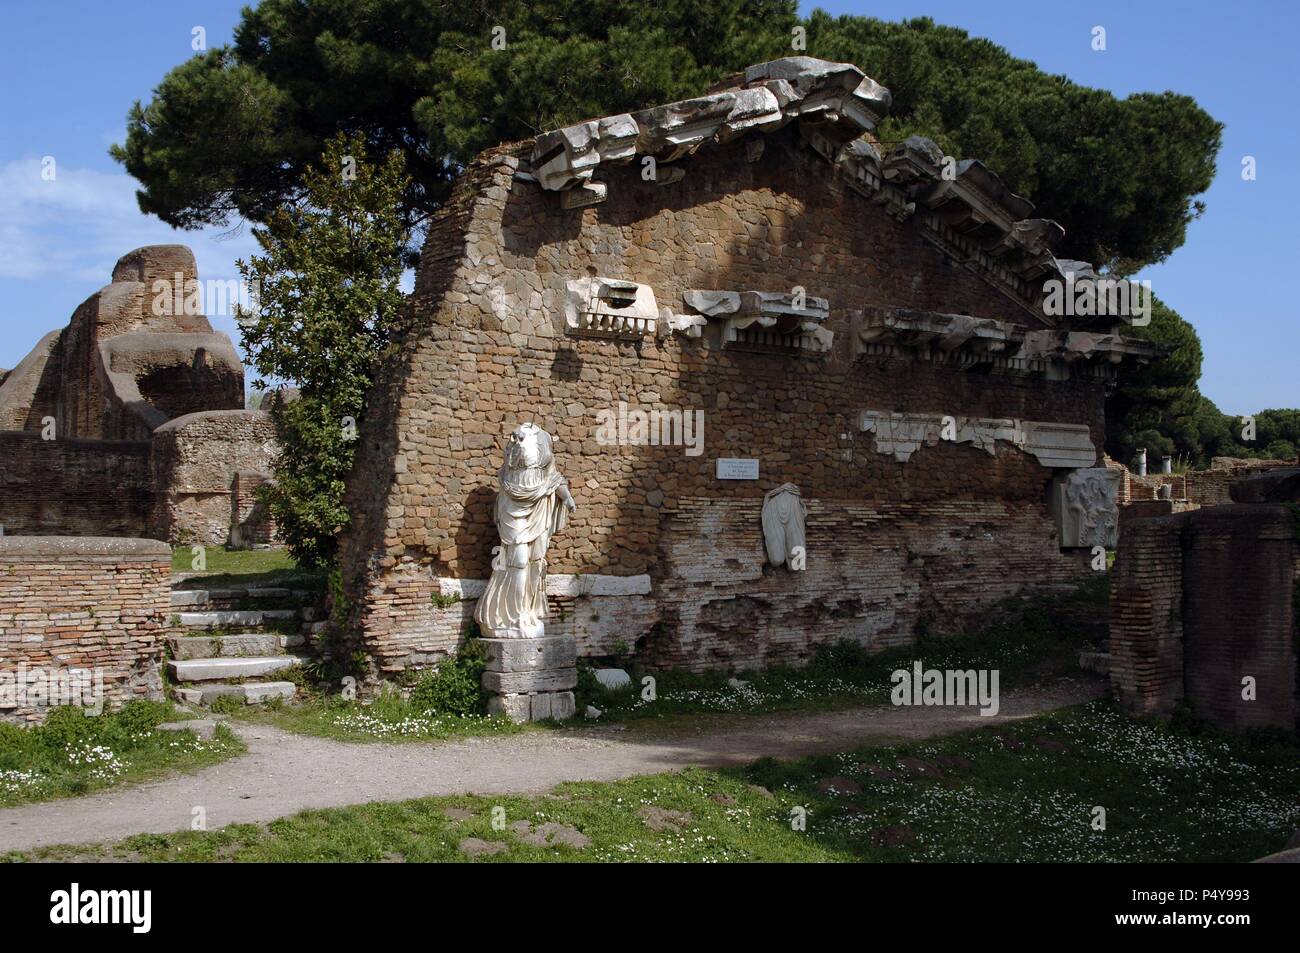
177 486
85 603
195 462
890 543
76 487
1211 487
1202 599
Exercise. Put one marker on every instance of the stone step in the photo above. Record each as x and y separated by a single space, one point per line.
215 669
205 728
217 598
252 693
226 618
231 645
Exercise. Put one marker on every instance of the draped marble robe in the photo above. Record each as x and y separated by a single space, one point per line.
783 523
532 505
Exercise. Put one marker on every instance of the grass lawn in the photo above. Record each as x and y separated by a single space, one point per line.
71 754
243 568
1025 793
384 719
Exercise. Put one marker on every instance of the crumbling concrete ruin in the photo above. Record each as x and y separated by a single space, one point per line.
862 323
130 421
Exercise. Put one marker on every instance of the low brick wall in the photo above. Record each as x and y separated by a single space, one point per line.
95 604
1212 487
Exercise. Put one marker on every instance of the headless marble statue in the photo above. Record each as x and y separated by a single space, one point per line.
532 505
783 525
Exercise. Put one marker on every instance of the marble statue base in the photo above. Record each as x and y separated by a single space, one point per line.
531 678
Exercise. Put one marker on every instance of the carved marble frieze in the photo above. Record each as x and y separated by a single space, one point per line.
609 308
1085 503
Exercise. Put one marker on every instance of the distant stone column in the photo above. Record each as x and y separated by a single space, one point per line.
1142 462
531 676
1166 464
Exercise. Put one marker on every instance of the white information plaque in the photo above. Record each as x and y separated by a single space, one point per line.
733 468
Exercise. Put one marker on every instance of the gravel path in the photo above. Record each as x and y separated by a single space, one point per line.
283 773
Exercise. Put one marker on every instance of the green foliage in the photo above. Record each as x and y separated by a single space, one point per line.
1161 407
1119 174
227 705
455 686
329 305
230 132
1020 790
74 753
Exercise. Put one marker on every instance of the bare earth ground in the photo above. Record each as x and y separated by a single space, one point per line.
283 773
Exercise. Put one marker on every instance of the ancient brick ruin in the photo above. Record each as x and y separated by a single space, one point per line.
1192 488
1205 606
130 421
860 320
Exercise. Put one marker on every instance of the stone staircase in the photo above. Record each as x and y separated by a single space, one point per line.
233 641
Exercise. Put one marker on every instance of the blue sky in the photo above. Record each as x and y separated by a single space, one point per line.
70 70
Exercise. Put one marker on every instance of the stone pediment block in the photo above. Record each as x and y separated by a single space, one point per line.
968 341
756 319
969 213
1054 445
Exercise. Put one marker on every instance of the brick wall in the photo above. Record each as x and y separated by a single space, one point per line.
1240 568
1211 487
89 603
253 524
177 487
489 350
73 487
1146 614
1199 601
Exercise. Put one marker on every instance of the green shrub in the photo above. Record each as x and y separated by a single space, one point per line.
589 690
13 740
227 704
845 654
141 716
69 726
455 687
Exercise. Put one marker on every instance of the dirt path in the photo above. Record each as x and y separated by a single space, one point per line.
283 773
